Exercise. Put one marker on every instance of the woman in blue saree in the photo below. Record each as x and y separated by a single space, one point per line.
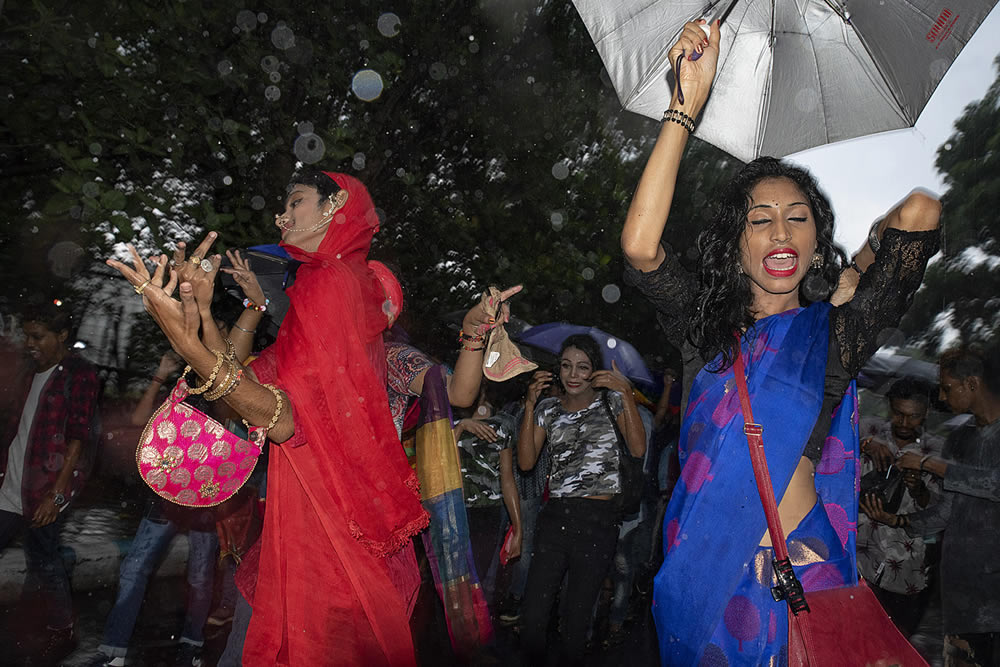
767 269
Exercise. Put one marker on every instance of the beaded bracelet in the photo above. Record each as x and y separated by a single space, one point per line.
473 349
466 338
219 359
247 303
681 118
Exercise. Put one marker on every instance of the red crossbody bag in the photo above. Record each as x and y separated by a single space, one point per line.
836 626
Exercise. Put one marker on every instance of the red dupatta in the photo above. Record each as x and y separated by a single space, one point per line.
346 499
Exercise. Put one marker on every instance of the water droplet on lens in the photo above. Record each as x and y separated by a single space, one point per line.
359 161
283 37
227 180
438 71
305 127
367 85
275 77
272 93
612 343
246 20
257 203
388 24
474 47
269 63
611 293
400 172
560 171
587 273
95 148
261 17
225 67
309 148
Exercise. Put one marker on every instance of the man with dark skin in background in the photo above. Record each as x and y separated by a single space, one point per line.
48 415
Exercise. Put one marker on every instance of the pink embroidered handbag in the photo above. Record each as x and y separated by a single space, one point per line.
189 458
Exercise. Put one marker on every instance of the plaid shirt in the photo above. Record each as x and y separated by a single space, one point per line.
65 412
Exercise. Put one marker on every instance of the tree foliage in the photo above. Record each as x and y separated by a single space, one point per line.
960 297
495 150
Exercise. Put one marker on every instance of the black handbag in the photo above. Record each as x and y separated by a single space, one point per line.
887 486
630 475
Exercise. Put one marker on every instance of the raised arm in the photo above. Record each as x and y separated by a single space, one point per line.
647 215
531 436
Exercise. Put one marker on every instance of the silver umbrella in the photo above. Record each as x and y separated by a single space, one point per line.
792 74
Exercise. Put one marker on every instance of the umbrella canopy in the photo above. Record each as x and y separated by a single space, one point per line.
549 337
792 74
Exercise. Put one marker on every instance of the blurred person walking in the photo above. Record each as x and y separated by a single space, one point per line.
49 422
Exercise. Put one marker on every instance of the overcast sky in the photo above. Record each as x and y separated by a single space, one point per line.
865 177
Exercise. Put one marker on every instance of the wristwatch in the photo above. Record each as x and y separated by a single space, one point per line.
58 499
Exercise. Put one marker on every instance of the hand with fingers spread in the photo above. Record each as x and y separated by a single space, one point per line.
199 269
245 277
477 322
872 506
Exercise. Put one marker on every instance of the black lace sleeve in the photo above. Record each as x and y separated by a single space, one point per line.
671 290
883 295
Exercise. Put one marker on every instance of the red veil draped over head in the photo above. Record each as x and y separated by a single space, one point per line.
330 589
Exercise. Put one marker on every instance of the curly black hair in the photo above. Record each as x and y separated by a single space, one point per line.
724 296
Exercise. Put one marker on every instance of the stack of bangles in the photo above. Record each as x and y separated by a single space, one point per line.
247 303
681 118
229 382
472 343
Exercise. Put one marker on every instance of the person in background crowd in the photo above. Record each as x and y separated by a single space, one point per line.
969 510
49 421
157 530
578 527
893 563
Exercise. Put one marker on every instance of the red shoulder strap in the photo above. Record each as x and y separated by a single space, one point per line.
753 432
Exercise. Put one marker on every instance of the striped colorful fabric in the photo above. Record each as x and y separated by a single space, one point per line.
446 540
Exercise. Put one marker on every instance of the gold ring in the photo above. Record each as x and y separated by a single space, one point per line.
139 288
195 260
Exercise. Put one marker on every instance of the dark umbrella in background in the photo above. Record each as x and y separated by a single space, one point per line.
550 337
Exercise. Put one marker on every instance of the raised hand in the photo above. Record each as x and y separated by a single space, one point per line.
540 381
476 322
694 77
613 379
245 277
199 270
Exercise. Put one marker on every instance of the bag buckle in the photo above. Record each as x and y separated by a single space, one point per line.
788 588
750 428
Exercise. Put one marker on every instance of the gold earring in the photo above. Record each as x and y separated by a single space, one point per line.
817 261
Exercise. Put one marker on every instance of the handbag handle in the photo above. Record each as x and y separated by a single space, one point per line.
788 588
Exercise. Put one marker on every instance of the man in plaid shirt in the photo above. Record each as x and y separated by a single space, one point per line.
48 417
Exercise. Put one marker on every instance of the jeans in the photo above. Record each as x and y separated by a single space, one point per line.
233 655
529 519
148 547
46 569
576 538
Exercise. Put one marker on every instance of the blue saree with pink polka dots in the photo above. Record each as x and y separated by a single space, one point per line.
712 601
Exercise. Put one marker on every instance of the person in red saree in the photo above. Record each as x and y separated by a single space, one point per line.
336 572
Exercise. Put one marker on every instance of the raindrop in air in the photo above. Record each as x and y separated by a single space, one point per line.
560 171
272 93
95 148
359 161
91 189
611 293
257 203
587 273
612 343
227 180
388 24
92 42
309 148
474 47
367 85
305 127
262 17
283 37
225 67
275 76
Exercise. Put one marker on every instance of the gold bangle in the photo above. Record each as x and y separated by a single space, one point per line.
219 359
278 405
225 385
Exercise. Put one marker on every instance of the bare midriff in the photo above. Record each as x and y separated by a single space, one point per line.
799 498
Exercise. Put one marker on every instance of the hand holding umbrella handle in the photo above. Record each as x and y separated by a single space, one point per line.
708 33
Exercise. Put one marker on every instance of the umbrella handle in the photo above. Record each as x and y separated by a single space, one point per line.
708 33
